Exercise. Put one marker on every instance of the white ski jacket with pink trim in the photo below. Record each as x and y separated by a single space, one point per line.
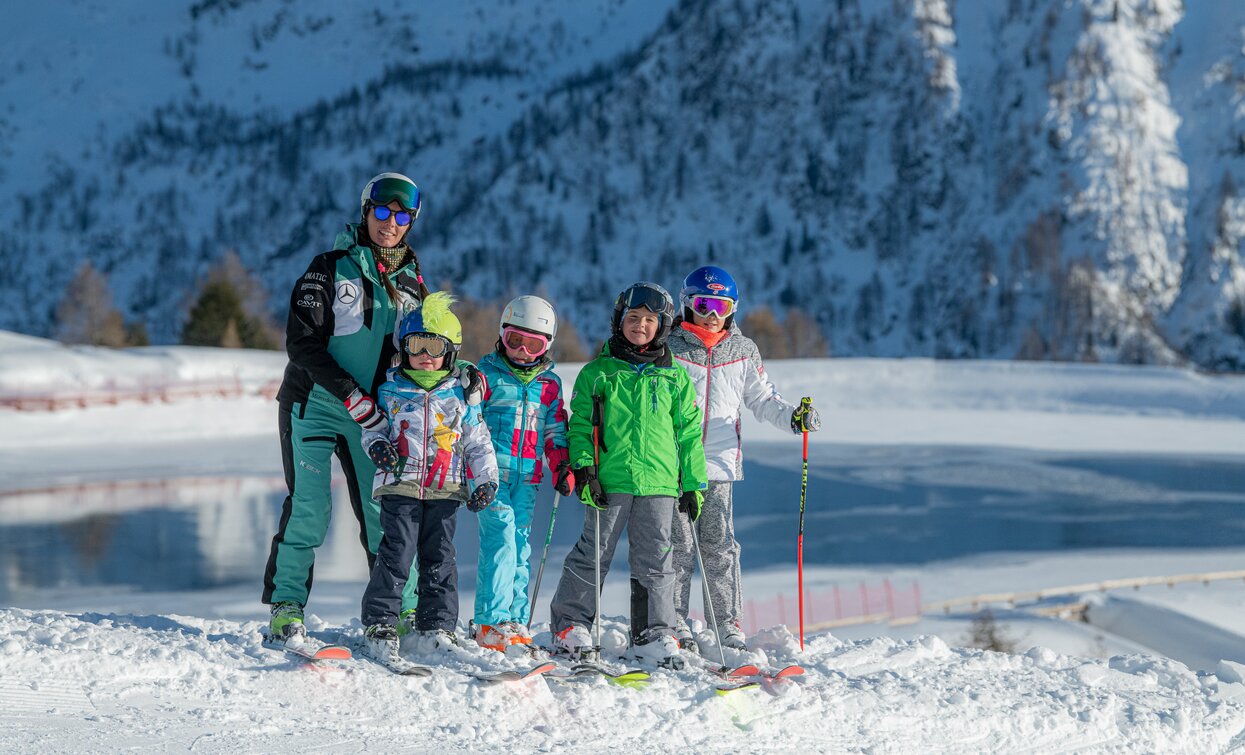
728 377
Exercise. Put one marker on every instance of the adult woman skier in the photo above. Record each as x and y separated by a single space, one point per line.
340 339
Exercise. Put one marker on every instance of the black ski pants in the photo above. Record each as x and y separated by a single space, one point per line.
415 529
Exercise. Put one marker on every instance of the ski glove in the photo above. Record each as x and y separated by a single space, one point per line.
473 382
362 409
383 455
481 497
805 418
691 502
588 487
563 478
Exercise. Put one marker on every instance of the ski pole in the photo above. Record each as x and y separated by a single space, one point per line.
531 605
597 419
596 583
704 584
805 403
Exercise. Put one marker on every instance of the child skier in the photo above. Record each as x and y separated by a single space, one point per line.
635 449
726 370
525 416
434 435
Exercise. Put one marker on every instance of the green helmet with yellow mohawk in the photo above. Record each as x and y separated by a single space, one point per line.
434 316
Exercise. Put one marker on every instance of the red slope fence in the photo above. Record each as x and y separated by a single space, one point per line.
148 390
840 605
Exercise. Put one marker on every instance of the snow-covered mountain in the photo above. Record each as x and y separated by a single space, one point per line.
1032 178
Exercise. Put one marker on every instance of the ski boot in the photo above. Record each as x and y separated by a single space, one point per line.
683 635
406 622
380 642
660 648
489 636
516 633
575 643
733 637
286 623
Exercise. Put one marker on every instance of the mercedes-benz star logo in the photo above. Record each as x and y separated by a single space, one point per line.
346 293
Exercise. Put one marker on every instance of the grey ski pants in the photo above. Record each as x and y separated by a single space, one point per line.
720 551
648 520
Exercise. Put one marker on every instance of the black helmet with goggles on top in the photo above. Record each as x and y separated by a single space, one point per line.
649 296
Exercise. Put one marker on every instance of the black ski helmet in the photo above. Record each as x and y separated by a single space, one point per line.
652 297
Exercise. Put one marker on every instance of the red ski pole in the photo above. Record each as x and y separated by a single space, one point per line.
805 403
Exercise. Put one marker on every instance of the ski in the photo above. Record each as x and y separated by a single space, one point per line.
513 675
308 649
726 689
628 678
400 666
750 677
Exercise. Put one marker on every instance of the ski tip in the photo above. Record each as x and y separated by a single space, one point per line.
541 668
745 670
726 689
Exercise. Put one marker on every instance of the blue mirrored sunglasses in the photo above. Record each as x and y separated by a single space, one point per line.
382 213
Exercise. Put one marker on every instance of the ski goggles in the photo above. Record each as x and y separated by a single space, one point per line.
713 305
425 343
532 344
643 296
388 190
401 217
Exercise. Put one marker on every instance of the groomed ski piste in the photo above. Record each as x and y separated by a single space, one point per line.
96 670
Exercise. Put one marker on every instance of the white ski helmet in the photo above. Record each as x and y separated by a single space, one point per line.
530 313
388 187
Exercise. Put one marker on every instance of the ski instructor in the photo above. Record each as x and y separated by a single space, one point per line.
340 340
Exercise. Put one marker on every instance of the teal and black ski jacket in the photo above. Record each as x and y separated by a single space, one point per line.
339 335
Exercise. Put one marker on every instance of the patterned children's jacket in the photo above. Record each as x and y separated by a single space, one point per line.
728 376
524 419
440 439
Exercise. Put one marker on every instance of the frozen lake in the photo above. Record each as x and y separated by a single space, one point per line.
868 506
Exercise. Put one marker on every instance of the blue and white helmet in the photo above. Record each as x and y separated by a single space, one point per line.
708 280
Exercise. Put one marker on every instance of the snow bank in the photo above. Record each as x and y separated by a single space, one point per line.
90 682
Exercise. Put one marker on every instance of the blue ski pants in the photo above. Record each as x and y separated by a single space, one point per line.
504 567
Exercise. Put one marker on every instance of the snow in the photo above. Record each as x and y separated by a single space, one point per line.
177 664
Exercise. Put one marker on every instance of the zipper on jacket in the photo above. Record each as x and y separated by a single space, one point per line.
423 463
653 387
704 433
518 463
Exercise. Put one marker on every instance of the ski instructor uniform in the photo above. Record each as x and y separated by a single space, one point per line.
340 340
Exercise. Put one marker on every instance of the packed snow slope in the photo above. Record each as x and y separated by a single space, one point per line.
94 682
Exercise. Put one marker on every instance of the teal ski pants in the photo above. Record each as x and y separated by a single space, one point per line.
503 569
311 434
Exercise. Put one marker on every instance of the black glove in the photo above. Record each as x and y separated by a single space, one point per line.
383 455
473 382
563 478
481 497
588 487
805 418
690 503
362 409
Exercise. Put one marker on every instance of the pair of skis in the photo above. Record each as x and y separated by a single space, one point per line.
314 651
751 677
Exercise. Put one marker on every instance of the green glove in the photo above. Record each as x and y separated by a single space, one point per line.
691 502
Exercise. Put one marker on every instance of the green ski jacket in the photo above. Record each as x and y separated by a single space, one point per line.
650 440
